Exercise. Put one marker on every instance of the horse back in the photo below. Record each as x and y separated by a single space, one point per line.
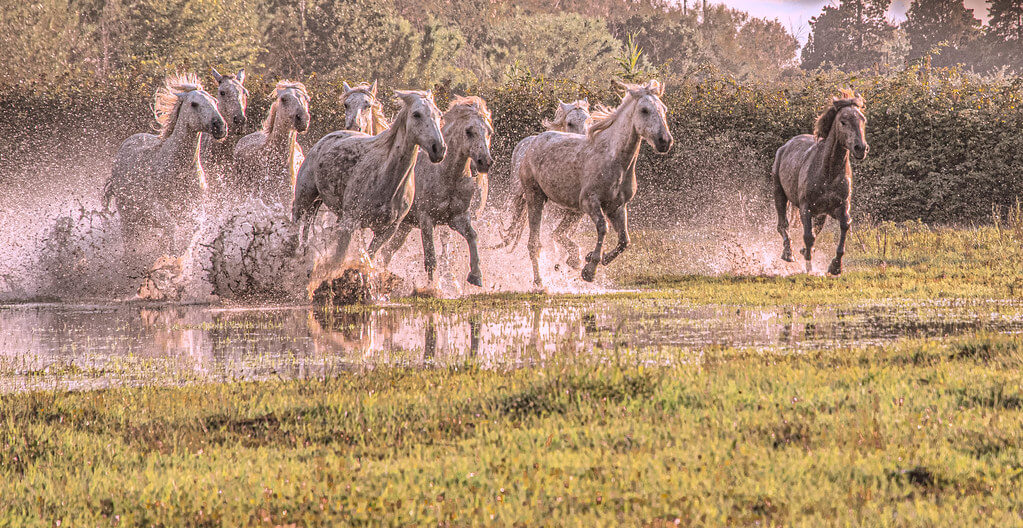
791 160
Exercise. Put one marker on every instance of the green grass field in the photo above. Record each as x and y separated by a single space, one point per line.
910 433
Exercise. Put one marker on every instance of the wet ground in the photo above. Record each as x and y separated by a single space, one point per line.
96 345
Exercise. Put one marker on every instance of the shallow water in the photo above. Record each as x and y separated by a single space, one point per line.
63 346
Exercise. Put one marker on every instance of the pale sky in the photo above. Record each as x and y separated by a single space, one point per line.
795 14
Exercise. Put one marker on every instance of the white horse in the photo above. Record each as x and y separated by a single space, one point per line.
369 181
592 174
232 102
445 190
266 161
158 180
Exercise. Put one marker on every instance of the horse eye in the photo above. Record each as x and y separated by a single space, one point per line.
417 115
644 110
468 132
195 104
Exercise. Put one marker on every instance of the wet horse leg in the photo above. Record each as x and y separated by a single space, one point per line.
591 206
781 203
620 222
429 251
807 219
380 237
534 204
463 226
394 244
843 224
561 234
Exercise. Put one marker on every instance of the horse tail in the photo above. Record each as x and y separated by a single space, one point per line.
108 192
511 236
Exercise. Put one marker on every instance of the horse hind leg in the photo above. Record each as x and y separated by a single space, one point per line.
394 244
620 222
808 237
534 206
781 203
591 205
562 235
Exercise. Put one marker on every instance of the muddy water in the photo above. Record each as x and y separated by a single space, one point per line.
88 346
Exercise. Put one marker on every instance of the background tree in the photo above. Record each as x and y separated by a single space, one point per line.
945 30
1004 34
855 35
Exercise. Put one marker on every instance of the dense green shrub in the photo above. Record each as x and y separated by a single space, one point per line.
944 143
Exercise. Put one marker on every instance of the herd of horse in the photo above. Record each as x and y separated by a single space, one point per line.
426 168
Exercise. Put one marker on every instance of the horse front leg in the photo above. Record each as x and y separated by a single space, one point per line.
781 204
380 237
591 206
429 252
534 205
843 224
561 235
463 226
394 244
620 222
808 238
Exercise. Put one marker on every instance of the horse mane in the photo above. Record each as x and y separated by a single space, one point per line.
600 112
822 127
166 103
467 106
376 107
608 117
561 115
271 117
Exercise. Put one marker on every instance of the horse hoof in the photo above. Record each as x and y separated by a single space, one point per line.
809 267
835 268
589 271
787 256
475 280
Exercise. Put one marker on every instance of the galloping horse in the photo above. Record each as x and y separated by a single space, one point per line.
158 180
574 118
266 162
369 181
232 101
813 172
445 190
592 174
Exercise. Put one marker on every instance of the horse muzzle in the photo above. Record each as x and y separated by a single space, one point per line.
218 129
482 165
436 151
663 145
301 125
238 120
860 151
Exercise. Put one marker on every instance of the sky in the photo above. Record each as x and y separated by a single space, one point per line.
795 14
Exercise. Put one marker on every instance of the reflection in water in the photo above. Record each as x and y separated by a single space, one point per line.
82 346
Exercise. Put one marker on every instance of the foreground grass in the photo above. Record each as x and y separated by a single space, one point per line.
910 434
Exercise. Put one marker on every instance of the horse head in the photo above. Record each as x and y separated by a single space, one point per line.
359 102
232 97
847 112
291 102
422 122
648 114
467 130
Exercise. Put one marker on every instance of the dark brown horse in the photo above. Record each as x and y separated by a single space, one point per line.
813 172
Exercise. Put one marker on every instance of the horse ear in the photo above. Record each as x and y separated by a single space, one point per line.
564 106
180 95
345 87
657 87
241 75
373 89
216 75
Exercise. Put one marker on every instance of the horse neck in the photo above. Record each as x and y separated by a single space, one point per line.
399 147
181 148
281 136
622 141
834 157
456 161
